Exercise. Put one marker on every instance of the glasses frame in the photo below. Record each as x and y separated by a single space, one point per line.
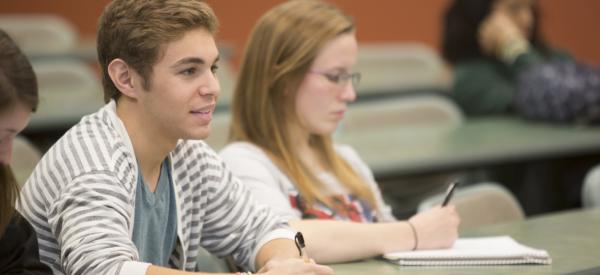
341 78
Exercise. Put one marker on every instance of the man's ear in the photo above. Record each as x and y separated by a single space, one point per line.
123 77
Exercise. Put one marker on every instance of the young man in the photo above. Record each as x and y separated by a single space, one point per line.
131 189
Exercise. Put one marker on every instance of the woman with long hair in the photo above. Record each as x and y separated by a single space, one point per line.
295 82
18 99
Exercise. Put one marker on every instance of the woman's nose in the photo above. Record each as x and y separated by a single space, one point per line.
349 92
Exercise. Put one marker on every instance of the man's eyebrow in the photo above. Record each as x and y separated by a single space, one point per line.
192 60
189 60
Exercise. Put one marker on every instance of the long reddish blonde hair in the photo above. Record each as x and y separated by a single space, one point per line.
281 49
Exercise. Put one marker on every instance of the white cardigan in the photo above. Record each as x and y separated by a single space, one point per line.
81 197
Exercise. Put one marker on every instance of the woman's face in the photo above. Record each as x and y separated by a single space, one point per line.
520 12
327 87
12 122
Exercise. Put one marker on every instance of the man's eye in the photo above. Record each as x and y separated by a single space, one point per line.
214 68
189 71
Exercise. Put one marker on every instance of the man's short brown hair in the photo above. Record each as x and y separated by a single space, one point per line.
135 31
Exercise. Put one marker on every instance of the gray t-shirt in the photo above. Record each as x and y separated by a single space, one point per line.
155 222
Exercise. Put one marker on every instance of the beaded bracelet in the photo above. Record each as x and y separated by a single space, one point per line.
414 230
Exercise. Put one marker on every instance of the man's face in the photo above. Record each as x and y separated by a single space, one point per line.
184 87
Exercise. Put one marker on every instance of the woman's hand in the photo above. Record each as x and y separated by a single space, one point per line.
497 32
436 227
294 267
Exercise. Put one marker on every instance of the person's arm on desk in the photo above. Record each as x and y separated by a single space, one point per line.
280 256
330 241
277 257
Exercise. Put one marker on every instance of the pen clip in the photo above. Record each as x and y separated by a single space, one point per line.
299 240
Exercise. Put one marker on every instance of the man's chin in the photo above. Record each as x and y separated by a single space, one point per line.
200 135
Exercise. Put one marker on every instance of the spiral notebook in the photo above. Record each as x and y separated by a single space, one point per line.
500 250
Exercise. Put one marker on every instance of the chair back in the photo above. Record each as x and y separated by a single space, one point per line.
590 192
40 34
480 204
398 67
427 110
65 82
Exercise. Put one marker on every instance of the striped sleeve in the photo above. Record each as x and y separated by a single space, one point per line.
79 201
90 221
235 223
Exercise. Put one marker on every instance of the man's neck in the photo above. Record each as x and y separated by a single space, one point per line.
151 146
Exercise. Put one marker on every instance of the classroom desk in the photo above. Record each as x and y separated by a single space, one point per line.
399 151
572 238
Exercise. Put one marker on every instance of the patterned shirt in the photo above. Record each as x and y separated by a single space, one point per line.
347 207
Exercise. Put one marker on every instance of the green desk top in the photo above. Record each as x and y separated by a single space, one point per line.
572 238
476 142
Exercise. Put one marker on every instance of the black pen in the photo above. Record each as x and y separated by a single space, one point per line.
299 240
449 193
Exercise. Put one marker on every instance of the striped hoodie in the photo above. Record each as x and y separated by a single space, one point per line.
81 197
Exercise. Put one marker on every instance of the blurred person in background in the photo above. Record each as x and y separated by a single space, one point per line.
490 43
503 66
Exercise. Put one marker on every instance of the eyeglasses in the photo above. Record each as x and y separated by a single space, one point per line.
341 78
